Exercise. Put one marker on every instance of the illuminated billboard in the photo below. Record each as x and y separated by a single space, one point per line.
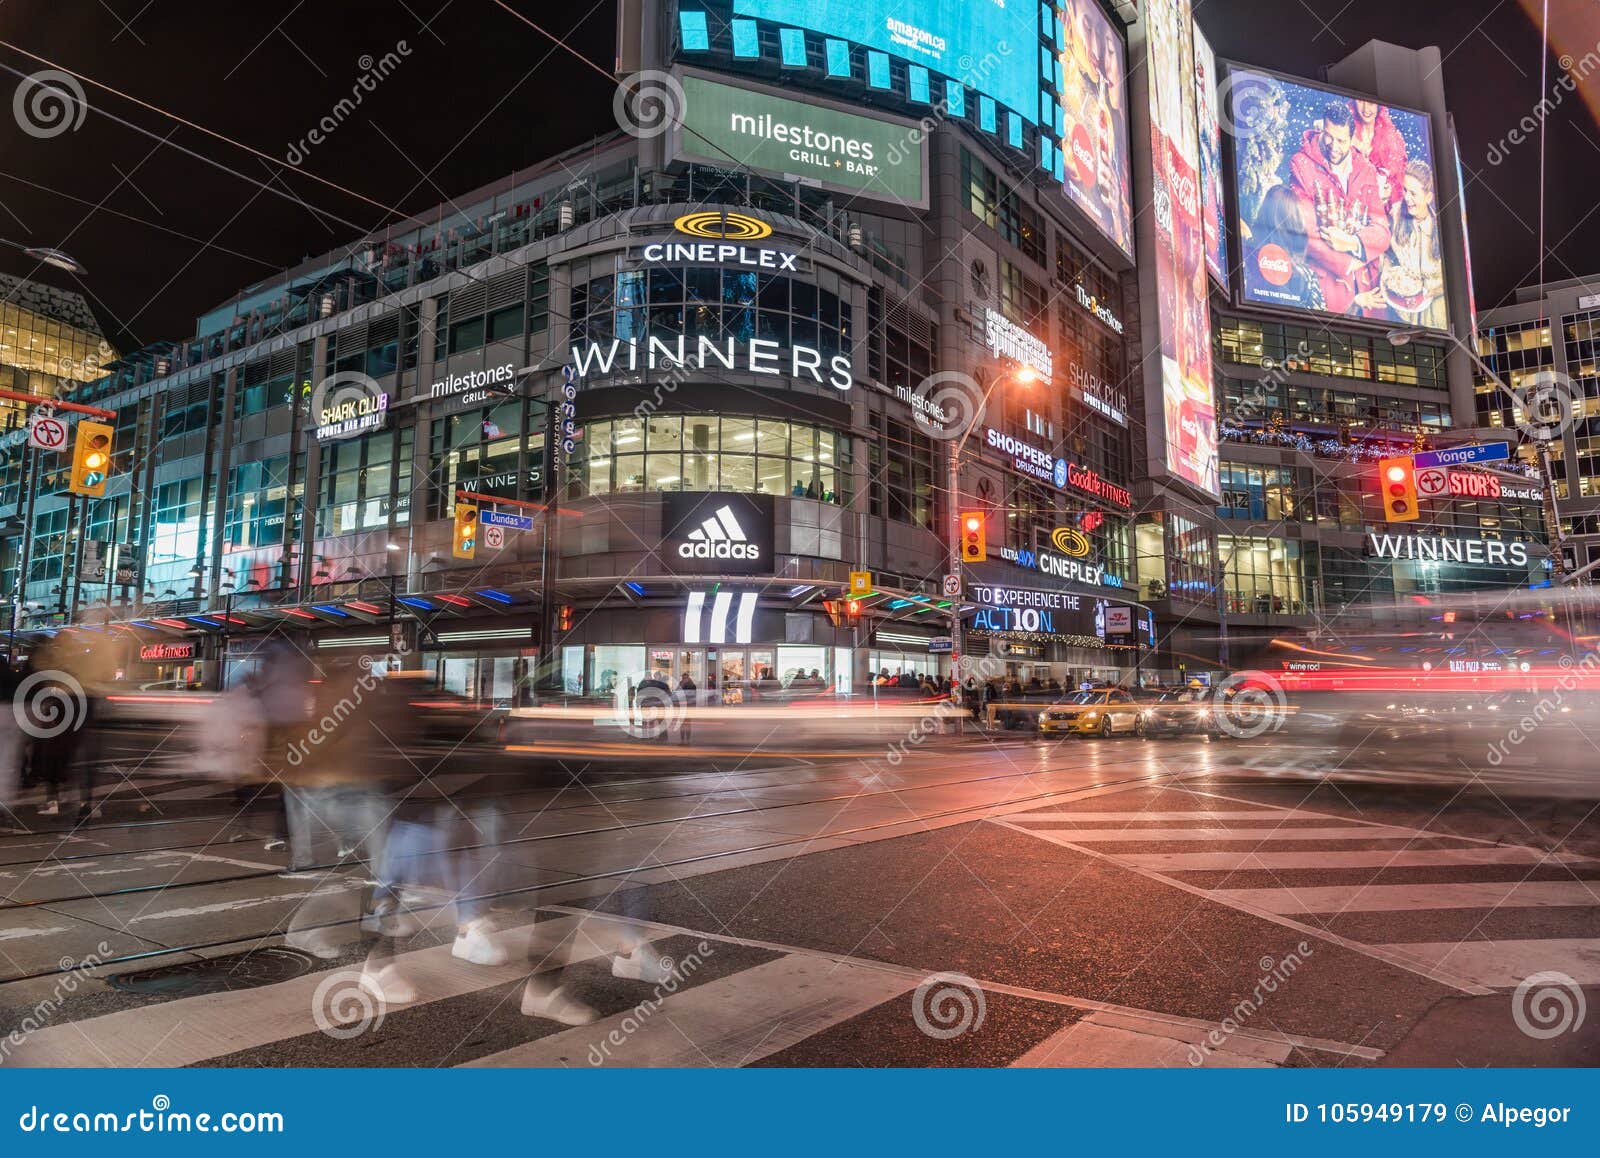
1094 134
849 152
1211 198
989 45
1338 209
1182 308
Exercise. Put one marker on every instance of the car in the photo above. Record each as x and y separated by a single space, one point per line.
1181 711
1100 712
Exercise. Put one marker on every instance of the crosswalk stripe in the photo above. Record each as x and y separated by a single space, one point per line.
1400 898
1504 964
1227 814
191 1030
1344 832
1108 1041
732 1021
1329 859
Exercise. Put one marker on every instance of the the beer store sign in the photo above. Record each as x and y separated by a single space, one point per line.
1006 339
1447 549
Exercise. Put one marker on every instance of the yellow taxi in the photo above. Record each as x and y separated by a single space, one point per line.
1101 712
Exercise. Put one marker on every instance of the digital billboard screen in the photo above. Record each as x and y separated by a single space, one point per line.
1182 307
1338 206
1211 196
1094 135
735 124
988 45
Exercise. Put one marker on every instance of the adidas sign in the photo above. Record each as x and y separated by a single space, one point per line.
719 537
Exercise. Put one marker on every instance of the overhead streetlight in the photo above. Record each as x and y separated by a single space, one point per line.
48 256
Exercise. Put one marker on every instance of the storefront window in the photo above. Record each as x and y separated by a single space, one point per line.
478 450
670 452
1262 576
359 478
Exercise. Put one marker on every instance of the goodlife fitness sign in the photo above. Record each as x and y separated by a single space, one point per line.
1041 464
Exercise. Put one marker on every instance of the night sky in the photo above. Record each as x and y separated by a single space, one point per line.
477 94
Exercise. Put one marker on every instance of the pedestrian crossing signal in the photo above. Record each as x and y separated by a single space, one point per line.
564 617
1397 487
91 459
465 545
974 537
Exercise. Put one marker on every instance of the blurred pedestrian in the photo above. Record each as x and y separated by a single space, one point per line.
62 686
688 700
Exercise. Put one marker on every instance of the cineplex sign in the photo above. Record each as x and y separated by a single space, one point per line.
1041 464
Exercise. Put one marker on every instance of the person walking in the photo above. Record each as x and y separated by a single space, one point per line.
688 700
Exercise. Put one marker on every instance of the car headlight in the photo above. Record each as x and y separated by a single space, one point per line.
1091 713
1043 717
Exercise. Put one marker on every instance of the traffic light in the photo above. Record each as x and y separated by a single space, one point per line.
974 537
91 459
1397 487
843 612
465 544
564 617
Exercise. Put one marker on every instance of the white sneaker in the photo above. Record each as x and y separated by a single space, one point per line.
390 920
643 964
474 944
556 1005
389 985
50 808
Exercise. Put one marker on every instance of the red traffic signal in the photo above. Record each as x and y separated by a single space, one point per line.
1397 489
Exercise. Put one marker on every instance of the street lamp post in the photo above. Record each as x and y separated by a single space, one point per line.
1026 376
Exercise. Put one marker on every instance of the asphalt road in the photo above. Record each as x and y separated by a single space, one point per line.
987 900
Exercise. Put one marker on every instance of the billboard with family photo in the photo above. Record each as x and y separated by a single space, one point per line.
1338 208
1094 135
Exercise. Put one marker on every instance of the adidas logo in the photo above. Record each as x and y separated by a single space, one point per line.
719 537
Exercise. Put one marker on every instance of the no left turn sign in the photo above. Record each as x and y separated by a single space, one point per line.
46 433
1432 481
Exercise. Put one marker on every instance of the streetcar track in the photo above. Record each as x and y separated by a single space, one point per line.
257 937
12 906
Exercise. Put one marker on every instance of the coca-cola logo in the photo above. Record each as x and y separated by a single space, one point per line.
1273 262
1187 193
1083 155
1162 204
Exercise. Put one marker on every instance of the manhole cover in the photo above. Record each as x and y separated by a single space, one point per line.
218 975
